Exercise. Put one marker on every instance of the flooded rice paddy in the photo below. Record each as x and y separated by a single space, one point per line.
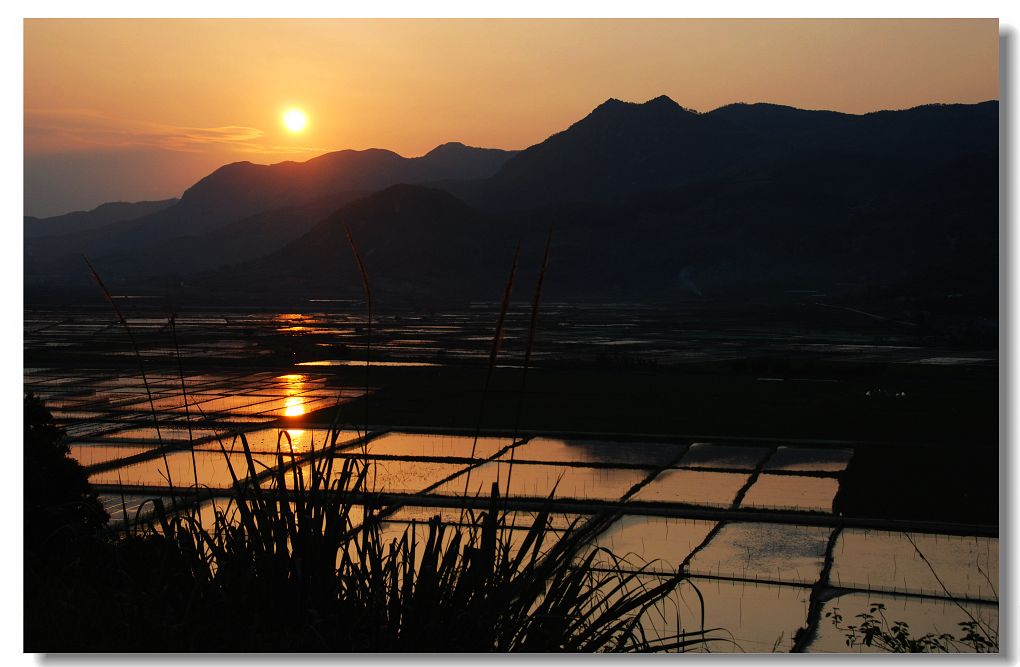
750 522
569 332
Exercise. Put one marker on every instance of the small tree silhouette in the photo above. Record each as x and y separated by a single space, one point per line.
60 506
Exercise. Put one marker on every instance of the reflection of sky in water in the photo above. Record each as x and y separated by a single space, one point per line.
294 406
89 455
662 543
809 460
888 560
435 445
768 551
693 487
390 476
176 434
745 617
594 451
792 492
211 467
270 439
539 481
705 455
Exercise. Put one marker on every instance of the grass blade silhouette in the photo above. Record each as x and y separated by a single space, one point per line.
141 369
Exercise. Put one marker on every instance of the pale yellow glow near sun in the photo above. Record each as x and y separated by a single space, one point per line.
293 406
295 120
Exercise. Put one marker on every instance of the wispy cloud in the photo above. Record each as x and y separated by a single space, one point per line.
50 130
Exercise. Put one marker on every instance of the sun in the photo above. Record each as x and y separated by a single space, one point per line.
295 120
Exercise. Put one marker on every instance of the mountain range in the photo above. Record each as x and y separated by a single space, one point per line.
647 202
101 216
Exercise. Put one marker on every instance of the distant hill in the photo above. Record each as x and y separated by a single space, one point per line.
102 215
240 191
256 235
416 242
622 148
242 188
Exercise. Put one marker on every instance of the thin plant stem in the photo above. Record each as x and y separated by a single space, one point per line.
532 325
497 340
141 369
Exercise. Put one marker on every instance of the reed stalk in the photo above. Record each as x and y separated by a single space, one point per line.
141 370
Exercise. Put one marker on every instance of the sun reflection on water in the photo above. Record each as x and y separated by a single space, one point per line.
293 403
297 440
293 406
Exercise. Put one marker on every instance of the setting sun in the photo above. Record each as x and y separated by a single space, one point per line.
295 120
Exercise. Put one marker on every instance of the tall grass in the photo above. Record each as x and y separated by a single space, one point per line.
327 579
141 368
497 342
303 560
536 303
367 287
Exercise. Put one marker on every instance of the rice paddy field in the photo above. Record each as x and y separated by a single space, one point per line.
729 474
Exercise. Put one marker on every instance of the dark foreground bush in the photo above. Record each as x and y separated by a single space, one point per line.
60 506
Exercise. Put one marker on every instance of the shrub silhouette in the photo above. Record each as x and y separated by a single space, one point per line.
60 505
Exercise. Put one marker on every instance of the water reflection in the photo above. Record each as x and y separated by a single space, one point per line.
208 469
293 404
532 480
272 440
555 450
658 544
738 616
785 492
965 567
765 552
691 487
435 445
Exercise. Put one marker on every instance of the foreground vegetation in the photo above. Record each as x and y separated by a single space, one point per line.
303 572
875 630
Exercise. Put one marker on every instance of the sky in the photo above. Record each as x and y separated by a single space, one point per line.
130 110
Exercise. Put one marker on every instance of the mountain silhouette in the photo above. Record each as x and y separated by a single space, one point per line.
105 214
416 242
244 191
623 148
242 188
650 202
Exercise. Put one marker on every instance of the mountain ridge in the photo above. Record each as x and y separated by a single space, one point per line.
100 216
241 190
649 201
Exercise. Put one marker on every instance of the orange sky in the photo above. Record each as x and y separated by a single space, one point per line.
140 109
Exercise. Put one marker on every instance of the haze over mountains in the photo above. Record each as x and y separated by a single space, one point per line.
649 202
